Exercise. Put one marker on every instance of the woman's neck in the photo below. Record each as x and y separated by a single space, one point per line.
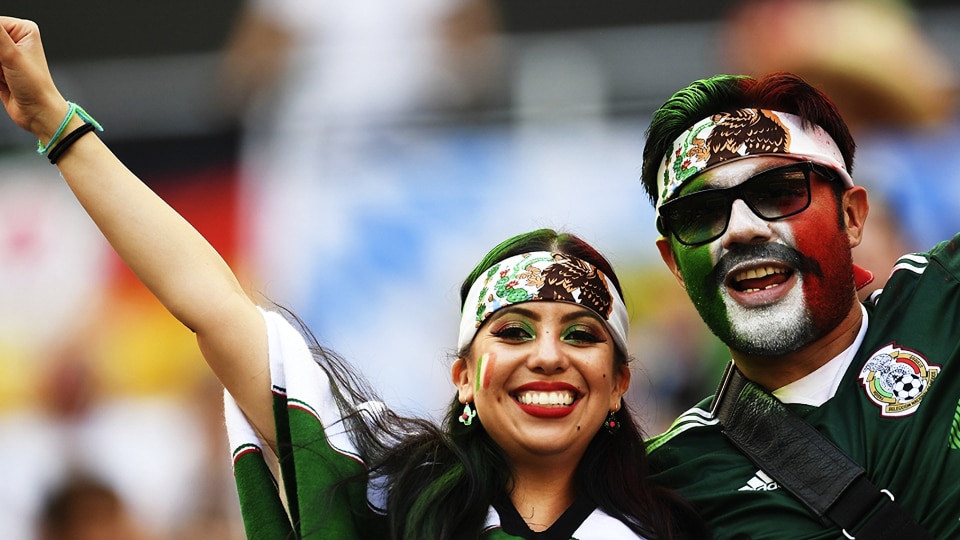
542 494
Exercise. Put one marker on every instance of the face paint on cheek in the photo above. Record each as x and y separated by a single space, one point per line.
826 295
696 266
480 366
484 365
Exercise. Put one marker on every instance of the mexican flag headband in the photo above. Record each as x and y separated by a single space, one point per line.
543 276
741 134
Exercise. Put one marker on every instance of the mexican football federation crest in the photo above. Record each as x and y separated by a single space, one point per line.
897 379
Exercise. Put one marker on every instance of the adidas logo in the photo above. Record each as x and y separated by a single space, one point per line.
760 482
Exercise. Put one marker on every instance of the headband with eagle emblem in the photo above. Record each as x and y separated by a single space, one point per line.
543 276
740 134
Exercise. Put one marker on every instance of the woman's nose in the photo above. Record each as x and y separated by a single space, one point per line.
548 355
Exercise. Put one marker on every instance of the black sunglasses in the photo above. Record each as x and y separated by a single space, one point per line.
703 216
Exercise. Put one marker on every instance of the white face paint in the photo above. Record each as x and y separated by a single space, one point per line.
777 327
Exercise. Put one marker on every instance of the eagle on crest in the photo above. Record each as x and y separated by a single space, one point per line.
566 276
746 132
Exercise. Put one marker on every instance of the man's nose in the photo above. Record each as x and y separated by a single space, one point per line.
745 226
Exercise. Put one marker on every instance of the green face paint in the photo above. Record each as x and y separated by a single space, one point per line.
696 266
479 372
529 329
580 333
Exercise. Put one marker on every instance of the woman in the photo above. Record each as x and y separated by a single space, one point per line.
537 443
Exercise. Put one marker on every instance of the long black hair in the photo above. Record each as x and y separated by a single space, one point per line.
441 479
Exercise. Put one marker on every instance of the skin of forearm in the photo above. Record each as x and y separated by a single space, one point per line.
180 267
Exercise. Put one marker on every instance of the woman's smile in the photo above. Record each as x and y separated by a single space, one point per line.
545 399
545 378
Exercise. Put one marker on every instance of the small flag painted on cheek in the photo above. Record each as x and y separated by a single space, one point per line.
484 365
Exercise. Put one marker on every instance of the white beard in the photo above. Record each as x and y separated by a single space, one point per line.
770 330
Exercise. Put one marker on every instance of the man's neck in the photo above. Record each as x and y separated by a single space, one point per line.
773 372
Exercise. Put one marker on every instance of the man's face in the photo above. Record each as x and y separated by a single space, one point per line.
769 287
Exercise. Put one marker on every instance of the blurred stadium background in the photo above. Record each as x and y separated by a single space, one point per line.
526 114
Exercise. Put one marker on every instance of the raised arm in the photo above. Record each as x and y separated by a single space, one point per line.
166 253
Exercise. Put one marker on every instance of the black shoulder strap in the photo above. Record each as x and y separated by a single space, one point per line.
833 486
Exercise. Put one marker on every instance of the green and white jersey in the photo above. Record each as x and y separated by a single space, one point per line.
894 410
316 454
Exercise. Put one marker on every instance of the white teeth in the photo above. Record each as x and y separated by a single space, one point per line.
546 398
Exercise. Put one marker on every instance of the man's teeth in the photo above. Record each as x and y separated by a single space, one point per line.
755 273
546 398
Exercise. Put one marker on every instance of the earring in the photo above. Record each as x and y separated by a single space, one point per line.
612 424
468 413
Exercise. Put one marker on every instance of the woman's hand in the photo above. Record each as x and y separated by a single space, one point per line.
27 90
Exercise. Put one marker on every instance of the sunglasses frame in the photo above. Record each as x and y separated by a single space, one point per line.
734 193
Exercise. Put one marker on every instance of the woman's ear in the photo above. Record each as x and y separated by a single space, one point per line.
621 383
462 377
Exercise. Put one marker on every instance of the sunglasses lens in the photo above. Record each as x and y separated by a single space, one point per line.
698 218
779 194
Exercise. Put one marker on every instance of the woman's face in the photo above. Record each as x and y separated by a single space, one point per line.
542 378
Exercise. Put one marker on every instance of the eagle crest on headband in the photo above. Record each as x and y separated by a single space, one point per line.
745 132
565 277
721 137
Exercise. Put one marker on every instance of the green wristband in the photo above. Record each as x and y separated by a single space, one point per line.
73 110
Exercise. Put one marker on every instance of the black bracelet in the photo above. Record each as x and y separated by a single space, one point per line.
68 141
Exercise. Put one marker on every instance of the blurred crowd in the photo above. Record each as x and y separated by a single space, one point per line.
351 202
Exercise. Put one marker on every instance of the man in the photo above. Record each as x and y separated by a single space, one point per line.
758 215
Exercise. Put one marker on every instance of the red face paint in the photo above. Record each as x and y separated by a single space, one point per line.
819 236
487 370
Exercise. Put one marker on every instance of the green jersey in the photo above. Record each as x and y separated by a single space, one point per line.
308 498
892 407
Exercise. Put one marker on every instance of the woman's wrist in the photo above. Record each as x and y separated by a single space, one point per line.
48 121
73 118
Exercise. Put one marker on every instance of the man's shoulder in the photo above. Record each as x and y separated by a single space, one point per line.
909 268
947 255
694 421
